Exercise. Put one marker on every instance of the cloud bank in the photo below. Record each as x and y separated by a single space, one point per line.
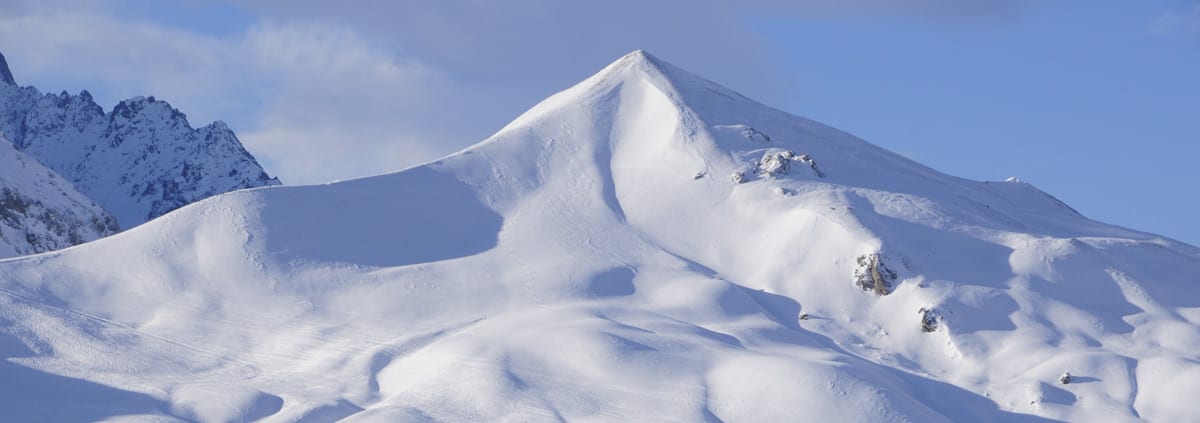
321 92
1186 20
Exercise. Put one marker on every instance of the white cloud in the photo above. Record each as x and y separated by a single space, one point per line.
316 100
1185 21
313 101
342 107
78 47
320 91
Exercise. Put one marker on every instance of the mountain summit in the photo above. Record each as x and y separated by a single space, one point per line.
646 245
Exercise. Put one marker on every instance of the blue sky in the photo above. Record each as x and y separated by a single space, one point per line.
1091 104
1095 102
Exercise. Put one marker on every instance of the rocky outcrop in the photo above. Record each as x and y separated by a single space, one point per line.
929 319
775 163
873 275
40 211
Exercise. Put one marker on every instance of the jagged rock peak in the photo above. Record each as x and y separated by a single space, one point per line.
138 161
5 74
133 108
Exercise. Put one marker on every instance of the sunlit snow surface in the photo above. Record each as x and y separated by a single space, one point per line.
595 260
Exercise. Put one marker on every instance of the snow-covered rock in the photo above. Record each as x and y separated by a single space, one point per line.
138 161
571 267
40 211
873 274
775 162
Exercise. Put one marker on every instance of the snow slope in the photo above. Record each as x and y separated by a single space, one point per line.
139 161
40 211
646 245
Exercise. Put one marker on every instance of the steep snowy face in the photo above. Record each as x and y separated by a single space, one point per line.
139 161
40 211
646 245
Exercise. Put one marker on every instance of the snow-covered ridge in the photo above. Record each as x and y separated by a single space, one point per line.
597 259
138 161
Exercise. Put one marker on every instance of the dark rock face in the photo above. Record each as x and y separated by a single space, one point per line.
873 275
139 161
5 74
929 319
46 228
40 211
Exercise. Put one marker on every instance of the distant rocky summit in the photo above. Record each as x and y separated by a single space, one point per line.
138 161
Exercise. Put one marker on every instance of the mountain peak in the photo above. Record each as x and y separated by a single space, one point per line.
681 85
5 74
640 63
641 58
638 68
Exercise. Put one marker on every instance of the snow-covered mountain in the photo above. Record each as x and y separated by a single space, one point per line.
138 161
646 245
40 211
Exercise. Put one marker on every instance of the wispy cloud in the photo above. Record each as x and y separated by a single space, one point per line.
1187 20
315 102
322 91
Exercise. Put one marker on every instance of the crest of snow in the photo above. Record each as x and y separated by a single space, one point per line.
750 134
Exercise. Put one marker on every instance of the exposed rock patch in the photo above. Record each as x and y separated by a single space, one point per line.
780 162
929 319
873 275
